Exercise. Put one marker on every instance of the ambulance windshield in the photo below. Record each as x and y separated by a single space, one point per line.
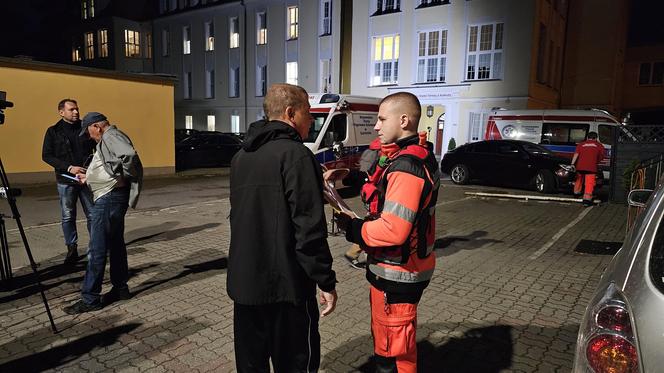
316 126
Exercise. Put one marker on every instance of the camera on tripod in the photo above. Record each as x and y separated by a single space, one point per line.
3 105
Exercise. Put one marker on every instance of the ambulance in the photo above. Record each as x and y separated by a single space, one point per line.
342 129
556 130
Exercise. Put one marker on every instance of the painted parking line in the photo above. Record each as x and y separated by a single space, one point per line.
448 202
560 233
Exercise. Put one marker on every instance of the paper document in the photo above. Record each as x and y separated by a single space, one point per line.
330 192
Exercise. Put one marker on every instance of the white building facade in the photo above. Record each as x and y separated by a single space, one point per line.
459 57
227 53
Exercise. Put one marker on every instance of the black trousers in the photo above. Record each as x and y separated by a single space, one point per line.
284 332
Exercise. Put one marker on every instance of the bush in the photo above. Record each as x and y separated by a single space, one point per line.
452 145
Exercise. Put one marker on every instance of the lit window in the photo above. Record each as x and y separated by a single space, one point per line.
165 42
103 43
132 44
484 58
186 85
261 28
261 82
91 9
291 73
188 122
210 123
385 60
148 45
209 36
325 75
76 54
89 45
209 83
431 56
234 32
326 17
186 40
293 31
235 123
476 126
234 87
87 9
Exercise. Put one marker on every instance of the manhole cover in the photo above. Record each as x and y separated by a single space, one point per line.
598 247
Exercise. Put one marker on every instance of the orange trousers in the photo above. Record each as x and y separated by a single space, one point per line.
393 329
585 182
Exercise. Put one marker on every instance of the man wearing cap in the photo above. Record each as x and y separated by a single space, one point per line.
67 153
115 176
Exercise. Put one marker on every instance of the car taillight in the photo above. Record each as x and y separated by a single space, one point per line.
607 353
492 132
614 318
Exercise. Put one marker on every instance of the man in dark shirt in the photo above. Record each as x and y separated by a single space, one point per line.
68 153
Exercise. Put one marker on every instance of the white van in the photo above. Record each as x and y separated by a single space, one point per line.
557 130
342 129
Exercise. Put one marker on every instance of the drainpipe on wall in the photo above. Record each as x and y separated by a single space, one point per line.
244 37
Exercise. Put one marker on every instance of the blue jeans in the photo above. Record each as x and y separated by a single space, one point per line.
106 238
69 194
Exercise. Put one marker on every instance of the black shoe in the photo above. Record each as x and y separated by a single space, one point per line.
72 254
81 307
587 203
115 294
355 262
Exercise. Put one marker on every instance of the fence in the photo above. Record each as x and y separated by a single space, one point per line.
645 176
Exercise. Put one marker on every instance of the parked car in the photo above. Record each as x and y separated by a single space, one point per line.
508 162
206 149
182 133
623 327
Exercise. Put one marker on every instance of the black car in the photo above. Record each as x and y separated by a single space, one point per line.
206 149
182 133
508 162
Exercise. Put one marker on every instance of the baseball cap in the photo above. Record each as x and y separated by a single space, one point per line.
90 118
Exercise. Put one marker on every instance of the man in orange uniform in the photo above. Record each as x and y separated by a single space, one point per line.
586 157
399 232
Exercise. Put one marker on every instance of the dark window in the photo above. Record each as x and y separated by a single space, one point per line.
483 147
535 149
658 73
606 134
541 55
316 126
227 140
644 73
563 133
507 148
336 131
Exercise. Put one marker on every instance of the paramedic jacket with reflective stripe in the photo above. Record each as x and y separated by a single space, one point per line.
409 188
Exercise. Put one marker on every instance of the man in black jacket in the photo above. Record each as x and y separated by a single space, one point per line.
67 153
278 252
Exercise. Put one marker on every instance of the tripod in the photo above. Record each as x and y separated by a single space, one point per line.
6 270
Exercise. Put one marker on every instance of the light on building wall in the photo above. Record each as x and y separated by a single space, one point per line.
429 111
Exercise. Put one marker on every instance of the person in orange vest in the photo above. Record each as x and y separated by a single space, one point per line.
399 233
586 157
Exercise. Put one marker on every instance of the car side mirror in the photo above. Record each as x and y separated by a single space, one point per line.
338 149
638 197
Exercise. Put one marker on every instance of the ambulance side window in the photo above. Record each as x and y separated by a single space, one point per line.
563 133
606 134
336 131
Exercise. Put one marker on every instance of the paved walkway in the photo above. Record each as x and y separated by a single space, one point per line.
490 307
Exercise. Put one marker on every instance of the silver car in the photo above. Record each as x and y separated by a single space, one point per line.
623 326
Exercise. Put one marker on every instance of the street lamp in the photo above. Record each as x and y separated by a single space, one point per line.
429 111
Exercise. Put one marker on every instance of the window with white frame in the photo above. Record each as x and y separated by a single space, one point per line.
211 123
325 75
431 56
102 39
261 81
165 42
132 44
186 40
385 60
235 123
209 36
293 23
427 3
148 45
186 85
291 73
484 58
209 83
261 28
234 87
234 32
651 73
326 17
188 122
476 125
387 6
88 38
76 54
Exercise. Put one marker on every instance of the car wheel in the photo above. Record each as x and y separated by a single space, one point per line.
460 174
545 182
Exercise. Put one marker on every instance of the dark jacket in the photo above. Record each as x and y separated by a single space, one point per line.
278 250
58 151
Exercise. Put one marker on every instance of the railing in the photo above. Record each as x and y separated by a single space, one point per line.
645 176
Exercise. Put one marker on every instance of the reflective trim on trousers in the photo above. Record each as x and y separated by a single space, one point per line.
400 276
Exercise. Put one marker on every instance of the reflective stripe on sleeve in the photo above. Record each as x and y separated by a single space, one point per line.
400 210
400 276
